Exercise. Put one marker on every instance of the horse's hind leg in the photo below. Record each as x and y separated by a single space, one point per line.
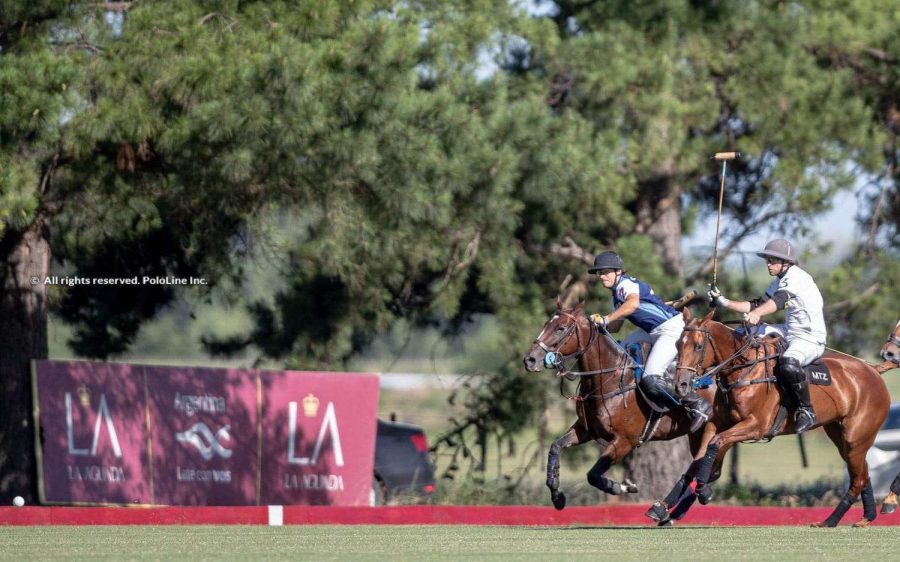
890 502
613 453
855 456
575 436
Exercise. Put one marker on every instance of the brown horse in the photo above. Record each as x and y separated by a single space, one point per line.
851 409
607 404
890 352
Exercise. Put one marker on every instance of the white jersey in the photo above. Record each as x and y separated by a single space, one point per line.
803 316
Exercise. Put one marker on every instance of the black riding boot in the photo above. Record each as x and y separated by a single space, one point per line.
697 408
805 417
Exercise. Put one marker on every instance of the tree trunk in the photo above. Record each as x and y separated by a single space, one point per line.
23 336
659 217
657 465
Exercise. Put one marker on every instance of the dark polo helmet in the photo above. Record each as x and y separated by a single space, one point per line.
779 249
606 260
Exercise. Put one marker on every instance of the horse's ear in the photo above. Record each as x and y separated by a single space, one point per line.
580 306
687 314
709 316
558 303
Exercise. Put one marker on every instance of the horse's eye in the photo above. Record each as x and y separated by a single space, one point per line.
560 328
698 347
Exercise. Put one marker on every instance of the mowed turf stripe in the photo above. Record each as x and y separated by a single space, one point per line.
442 542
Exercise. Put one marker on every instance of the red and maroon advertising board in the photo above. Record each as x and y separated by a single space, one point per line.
92 444
319 444
115 434
205 443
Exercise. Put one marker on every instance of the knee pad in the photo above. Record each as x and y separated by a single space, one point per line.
790 370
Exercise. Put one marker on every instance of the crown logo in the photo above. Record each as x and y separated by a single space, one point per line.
310 405
84 395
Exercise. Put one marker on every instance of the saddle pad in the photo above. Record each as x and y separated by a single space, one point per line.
817 373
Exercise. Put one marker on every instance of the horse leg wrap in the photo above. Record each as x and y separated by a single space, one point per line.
658 512
553 471
596 479
676 491
604 484
704 493
684 505
846 502
895 485
706 464
868 499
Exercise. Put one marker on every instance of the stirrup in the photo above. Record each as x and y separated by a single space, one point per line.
698 419
804 420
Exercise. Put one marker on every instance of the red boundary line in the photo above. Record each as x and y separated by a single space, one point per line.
617 515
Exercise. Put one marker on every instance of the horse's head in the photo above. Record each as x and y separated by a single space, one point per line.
696 351
564 335
891 349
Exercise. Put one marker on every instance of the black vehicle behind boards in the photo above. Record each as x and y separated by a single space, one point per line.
403 469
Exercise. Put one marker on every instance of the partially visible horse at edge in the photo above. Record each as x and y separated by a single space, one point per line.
607 403
851 409
890 352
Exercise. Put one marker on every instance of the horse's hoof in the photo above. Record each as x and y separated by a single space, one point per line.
665 523
862 523
818 525
704 494
559 501
887 508
629 487
658 512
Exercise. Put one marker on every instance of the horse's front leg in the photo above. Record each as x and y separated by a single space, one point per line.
683 493
747 429
575 436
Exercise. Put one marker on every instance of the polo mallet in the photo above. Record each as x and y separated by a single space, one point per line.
724 157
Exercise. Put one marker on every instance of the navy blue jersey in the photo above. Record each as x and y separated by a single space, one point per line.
652 310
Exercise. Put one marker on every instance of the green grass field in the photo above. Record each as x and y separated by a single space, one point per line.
445 543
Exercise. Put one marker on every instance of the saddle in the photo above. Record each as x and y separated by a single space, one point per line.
816 372
639 351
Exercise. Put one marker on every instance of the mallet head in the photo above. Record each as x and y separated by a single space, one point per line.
727 155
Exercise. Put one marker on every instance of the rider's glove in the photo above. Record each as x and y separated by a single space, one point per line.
716 297
599 319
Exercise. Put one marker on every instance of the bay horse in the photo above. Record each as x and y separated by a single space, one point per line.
607 405
851 409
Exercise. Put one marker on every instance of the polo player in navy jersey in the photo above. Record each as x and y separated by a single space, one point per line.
657 322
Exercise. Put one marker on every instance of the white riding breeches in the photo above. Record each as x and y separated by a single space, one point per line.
804 351
664 339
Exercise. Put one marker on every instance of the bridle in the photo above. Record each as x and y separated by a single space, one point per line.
557 358
894 338
715 372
